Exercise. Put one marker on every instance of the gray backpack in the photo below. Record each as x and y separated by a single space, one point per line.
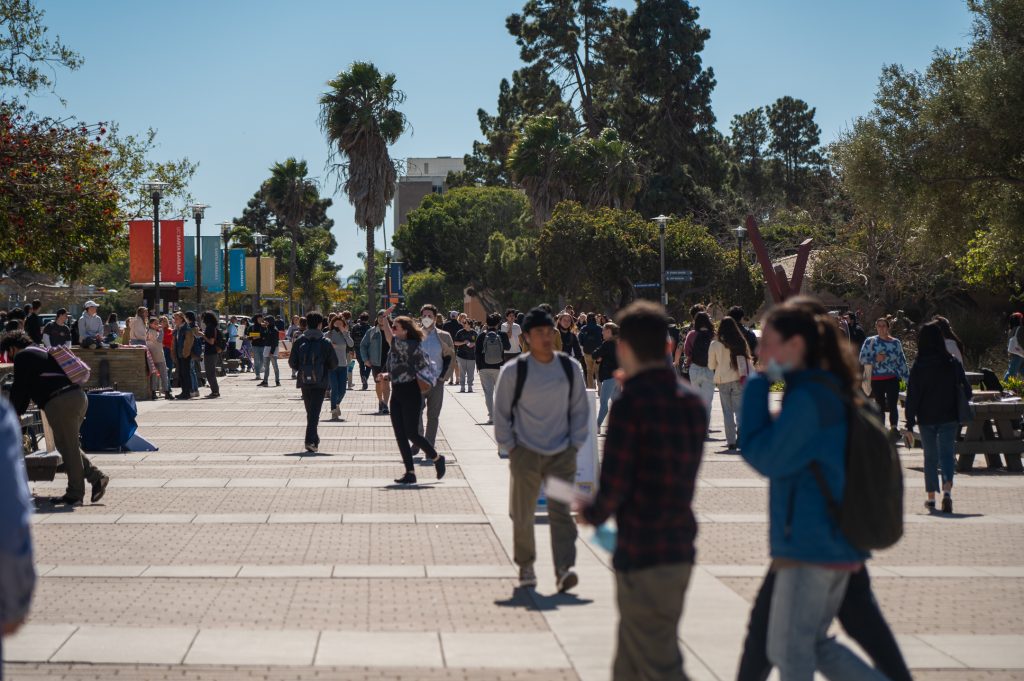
494 352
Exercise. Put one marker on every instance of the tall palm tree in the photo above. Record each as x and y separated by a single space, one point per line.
290 194
360 119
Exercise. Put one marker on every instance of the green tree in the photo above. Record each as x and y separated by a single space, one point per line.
360 118
511 270
748 141
794 142
28 57
290 194
431 286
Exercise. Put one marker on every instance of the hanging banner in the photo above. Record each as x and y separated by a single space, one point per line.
267 275
190 262
396 279
140 251
213 264
236 270
172 250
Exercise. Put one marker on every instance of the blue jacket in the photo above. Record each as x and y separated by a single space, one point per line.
17 573
811 427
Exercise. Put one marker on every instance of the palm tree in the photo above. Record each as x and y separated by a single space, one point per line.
360 119
290 194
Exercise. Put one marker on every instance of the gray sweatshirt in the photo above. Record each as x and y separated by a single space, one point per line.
542 422
342 343
89 326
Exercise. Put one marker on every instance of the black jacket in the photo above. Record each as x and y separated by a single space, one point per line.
329 358
590 338
571 345
34 327
37 376
932 391
506 344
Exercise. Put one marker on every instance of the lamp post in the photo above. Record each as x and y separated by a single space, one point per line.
258 240
662 220
225 234
198 210
156 192
741 233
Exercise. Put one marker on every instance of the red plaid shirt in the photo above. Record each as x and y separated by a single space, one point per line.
655 440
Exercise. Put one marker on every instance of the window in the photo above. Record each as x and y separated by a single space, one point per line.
426 168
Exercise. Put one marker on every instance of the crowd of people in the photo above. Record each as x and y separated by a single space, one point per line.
655 382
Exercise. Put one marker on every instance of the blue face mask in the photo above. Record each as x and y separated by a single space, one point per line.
775 371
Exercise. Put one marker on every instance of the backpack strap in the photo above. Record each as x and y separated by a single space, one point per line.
567 368
521 367
819 476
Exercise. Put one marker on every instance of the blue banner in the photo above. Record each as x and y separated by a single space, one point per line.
213 264
190 262
236 270
396 279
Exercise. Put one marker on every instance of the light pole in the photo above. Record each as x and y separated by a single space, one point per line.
225 234
741 233
198 210
257 239
156 192
662 220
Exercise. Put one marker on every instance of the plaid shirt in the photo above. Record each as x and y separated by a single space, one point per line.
655 441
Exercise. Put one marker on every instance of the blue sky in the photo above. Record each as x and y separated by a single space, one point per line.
233 84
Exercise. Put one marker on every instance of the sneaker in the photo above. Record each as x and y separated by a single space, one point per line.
490 422
469 390
99 488
169 395
184 396
66 500
462 390
407 479
527 577
440 467
213 396
929 505
277 384
566 580
195 394
947 504
335 413
386 411
310 447
263 384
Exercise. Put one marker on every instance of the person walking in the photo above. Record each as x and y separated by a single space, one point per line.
730 358
1015 346
183 344
255 333
696 347
566 327
214 345
590 339
412 375
514 331
884 354
313 359
606 357
465 353
541 419
341 341
56 333
452 327
439 348
655 442
155 345
270 341
935 390
811 558
39 378
491 348
738 314
374 350
357 332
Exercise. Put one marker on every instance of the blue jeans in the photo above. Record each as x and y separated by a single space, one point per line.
939 442
257 360
703 381
731 397
339 384
606 392
270 359
1015 368
805 600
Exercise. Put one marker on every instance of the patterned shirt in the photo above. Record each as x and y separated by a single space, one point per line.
655 440
893 362
407 362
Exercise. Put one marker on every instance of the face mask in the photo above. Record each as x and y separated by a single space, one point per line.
775 370
427 322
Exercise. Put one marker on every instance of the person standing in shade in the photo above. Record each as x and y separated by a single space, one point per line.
341 341
730 359
313 359
270 340
439 348
33 324
57 333
411 374
374 350
541 419
607 364
491 347
648 476
465 353
888 367
214 342
39 378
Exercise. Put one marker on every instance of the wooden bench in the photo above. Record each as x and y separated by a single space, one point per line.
993 433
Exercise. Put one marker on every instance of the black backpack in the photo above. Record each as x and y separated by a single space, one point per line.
871 513
312 369
701 346
521 369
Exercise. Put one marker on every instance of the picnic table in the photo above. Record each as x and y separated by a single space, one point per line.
974 377
993 432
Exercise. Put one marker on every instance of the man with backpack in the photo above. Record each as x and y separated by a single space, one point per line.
313 358
591 337
491 347
39 377
541 418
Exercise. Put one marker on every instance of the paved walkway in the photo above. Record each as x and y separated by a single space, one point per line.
229 554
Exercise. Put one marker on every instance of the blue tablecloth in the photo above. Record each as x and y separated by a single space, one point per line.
110 421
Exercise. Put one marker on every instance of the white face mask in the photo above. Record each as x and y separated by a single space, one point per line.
427 322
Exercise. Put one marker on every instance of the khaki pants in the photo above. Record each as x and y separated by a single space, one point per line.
650 607
591 370
65 414
528 471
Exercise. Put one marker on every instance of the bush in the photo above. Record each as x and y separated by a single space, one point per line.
429 286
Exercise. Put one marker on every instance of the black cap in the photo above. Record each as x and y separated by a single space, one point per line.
536 318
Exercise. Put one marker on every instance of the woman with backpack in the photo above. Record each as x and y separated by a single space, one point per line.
802 451
409 372
884 354
729 357
936 392
213 339
696 348
491 347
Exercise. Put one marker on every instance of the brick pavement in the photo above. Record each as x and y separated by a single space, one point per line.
308 576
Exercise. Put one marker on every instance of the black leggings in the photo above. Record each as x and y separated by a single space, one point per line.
886 394
406 405
859 614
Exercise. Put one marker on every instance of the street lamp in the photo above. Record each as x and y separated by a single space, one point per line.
258 240
741 233
198 210
225 234
156 192
662 220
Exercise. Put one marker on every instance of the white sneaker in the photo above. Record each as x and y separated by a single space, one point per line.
335 413
311 448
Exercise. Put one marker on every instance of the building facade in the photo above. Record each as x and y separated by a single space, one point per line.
423 176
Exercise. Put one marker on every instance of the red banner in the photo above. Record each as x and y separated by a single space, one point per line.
140 251
172 250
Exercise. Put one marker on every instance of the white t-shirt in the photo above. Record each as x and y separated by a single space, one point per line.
513 337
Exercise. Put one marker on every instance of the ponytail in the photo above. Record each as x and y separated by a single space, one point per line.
836 356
